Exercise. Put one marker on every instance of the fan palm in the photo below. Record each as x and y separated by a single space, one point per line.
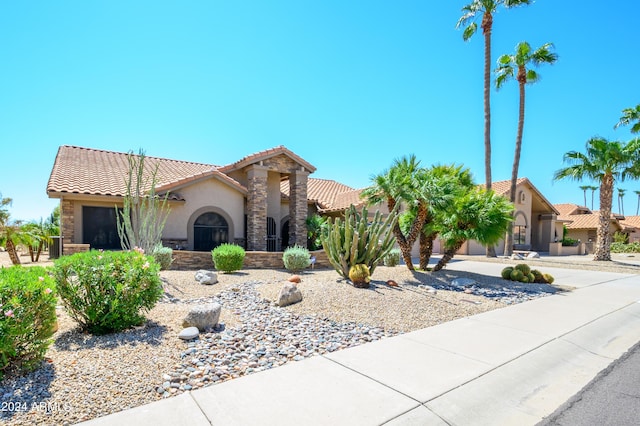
484 10
401 185
584 190
516 67
604 161
630 116
479 215
621 200
638 207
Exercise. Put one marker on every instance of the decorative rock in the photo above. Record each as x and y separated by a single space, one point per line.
189 333
392 283
533 255
203 316
206 277
516 256
288 295
295 279
463 282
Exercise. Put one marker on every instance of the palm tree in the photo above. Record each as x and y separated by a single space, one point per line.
584 189
515 67
629 116
478 215
9 231
401 185
593 191
604 161
484 9
637 208
621 200
442 186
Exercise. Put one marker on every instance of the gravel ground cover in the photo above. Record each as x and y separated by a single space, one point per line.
87 376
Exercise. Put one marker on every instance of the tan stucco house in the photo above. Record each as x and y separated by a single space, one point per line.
260 201
535 225
582 223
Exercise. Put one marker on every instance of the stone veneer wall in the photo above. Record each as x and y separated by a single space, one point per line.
257 208
298 208
253 260
67 220
68 249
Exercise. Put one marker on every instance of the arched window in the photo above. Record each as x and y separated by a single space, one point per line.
209 231
520 229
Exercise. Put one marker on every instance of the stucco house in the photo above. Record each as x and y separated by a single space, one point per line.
260 201
535 225
582 223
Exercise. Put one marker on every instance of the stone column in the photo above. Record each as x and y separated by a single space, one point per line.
257 208
67 223
298 207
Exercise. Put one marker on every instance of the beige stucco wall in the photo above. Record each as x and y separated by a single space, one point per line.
209 195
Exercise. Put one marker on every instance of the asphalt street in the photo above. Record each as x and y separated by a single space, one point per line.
611 398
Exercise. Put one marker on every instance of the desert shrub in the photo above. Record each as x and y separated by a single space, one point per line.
392 258
625 248
27 316
228 257
296 258
360 275
107 291
163 256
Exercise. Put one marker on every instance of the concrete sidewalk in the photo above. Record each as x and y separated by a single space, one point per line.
514 365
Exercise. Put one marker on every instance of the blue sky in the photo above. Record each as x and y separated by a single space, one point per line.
349 86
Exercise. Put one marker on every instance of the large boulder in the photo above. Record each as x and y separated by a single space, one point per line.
289 294
206 277
204 317
533 255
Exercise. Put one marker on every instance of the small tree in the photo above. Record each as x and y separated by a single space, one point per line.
144 213
10 234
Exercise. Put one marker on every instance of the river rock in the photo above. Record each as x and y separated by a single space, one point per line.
189 333
289 294
203 317
463 282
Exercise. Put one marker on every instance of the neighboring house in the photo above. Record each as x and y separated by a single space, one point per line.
260 202
582 223
631 225
535 224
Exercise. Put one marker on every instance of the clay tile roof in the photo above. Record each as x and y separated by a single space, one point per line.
329 194
588 220
631 222
263 155
95 172
502 187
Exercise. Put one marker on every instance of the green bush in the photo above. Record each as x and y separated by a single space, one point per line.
27 316
625 248
163 256
228 257
392 258
106 291
296 258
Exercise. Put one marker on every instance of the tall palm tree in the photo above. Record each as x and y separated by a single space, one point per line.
584 190
401 184
621 200
637 208
478 215
605 162
593 191
516 66
484 10
630 116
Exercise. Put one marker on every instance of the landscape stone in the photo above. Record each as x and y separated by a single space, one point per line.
288 295
189 333
516 256
206 277
295 279
392 283
533 255
203 317
463 282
